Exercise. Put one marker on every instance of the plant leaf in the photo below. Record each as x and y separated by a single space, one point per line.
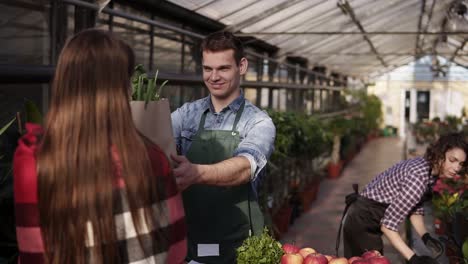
149 91
4 128
158 94
33 115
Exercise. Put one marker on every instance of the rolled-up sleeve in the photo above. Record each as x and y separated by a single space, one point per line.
258 143
405 203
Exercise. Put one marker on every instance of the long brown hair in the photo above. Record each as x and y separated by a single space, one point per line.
89 115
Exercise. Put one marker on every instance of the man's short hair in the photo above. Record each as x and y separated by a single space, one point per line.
221 41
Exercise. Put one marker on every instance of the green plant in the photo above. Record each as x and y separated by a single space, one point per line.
450 197
144 88
260 249
337 127
4 128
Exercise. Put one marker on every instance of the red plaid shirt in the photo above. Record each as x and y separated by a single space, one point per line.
28 230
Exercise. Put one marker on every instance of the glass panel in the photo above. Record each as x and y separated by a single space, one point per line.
24 33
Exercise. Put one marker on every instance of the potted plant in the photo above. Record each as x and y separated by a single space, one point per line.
337 128
450 203
151 113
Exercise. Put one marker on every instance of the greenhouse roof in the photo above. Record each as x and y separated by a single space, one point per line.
361 38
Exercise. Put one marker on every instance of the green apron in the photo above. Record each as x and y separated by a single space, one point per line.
218 217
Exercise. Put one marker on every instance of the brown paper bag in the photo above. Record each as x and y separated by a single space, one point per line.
155 123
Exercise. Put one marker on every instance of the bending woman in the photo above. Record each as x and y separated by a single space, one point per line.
398 193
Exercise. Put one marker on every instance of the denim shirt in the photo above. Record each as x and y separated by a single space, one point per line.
257 131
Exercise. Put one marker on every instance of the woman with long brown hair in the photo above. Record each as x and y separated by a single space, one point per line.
89 188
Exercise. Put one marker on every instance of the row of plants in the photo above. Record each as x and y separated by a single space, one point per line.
306 147
428 131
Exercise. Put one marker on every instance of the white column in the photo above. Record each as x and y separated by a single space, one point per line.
402 129
413 103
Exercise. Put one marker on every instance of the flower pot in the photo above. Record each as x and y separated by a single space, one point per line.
309 195
282 218
439 226
334 169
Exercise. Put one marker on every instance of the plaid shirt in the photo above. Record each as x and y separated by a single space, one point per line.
31 248
401 187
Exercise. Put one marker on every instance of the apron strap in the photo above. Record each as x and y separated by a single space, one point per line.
201 126
238 116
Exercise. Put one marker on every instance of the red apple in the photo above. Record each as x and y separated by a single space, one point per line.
361 261
351 260
338 261
379 260
315 258
370 254
289 248
306 251
293 258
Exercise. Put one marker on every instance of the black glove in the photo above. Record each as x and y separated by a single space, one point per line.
415 259
433 244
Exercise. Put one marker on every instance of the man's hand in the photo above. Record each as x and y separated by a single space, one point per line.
185 172
433 244
415 259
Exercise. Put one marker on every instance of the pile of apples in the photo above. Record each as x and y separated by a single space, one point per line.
307 255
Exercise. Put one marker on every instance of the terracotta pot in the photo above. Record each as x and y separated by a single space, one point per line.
334 169
309 195
282 218
439 226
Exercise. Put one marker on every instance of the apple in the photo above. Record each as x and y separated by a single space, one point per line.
351 260
289 248
329 257
338 261
361 261
292 258
315 258
379 260
306 251
370 254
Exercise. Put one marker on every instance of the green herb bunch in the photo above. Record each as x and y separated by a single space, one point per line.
260 249
144 88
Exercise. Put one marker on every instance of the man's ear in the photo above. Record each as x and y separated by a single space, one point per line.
243 65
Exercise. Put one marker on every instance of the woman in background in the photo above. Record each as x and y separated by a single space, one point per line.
397 194
89 188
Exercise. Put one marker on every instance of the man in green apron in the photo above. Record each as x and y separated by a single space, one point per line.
224 142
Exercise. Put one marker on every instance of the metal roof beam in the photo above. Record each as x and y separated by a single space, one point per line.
457 50
429 18
353 33
417 49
